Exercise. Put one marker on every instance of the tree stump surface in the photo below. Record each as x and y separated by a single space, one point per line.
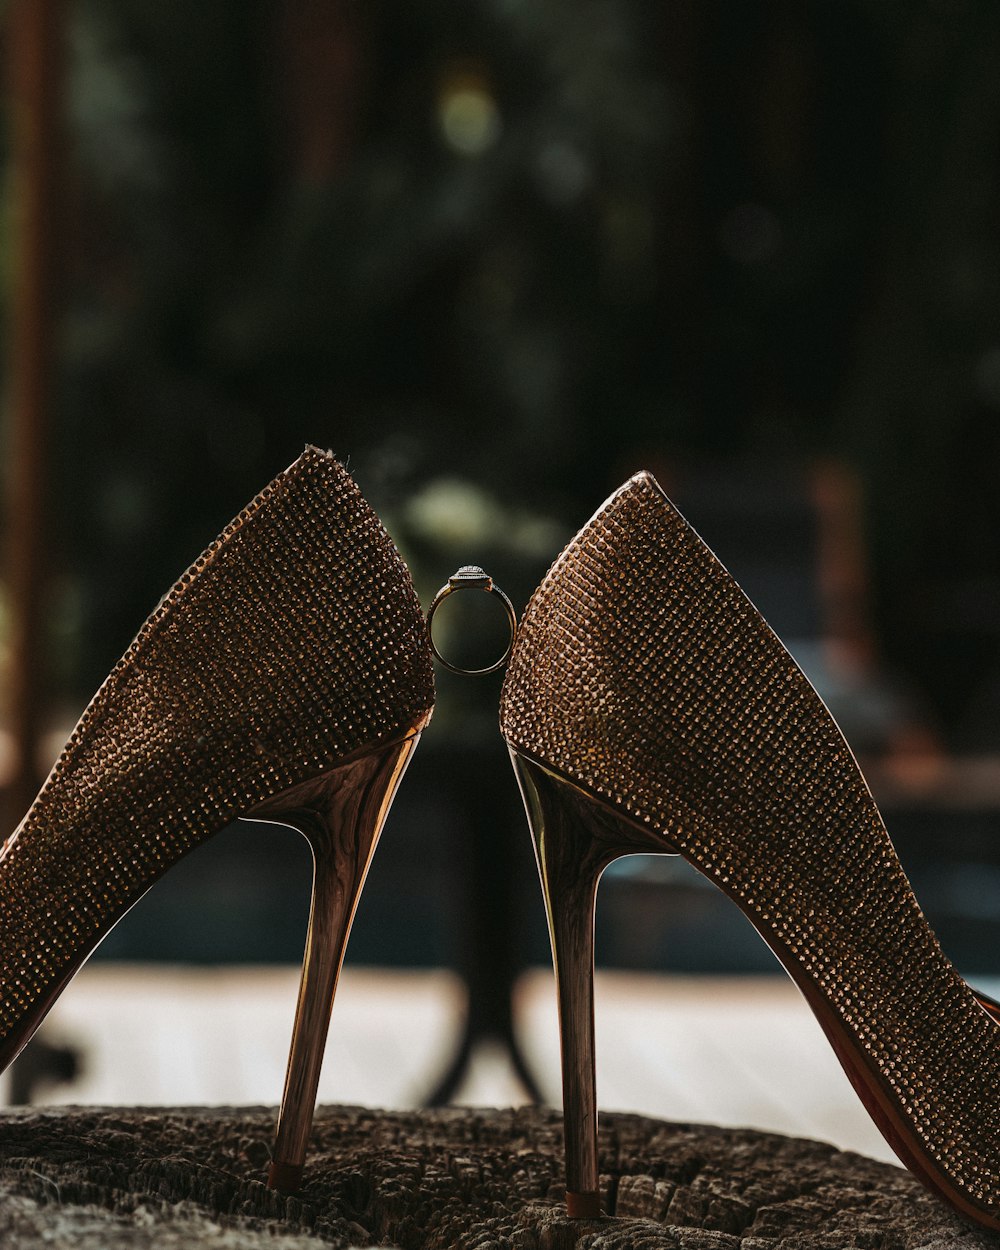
111 1179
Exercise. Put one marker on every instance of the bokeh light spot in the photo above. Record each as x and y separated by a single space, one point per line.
468 115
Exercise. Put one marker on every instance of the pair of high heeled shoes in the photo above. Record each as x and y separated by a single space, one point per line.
647 706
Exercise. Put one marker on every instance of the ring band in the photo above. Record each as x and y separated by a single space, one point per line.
471 577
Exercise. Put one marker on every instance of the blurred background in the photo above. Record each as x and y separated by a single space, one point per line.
498 256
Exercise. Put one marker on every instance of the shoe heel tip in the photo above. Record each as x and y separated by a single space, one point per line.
286 1177
583 1206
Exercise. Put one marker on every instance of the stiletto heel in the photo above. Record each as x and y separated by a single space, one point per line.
341 815
574 842
286 676
647 696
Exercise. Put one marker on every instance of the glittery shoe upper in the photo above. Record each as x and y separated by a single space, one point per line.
645 675
293 641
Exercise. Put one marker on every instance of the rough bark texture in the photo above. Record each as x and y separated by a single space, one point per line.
479 1180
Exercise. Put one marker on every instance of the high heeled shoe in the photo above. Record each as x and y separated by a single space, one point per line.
286 677
649 707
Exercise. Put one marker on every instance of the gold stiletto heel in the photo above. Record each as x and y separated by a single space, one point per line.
340 815
574 842
648 705
286 676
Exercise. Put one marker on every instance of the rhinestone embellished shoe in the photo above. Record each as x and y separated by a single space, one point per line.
649 707
285 677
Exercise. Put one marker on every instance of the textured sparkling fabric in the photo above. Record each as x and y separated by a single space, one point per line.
643 673
293 641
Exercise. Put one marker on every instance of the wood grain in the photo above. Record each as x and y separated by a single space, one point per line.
454 1179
